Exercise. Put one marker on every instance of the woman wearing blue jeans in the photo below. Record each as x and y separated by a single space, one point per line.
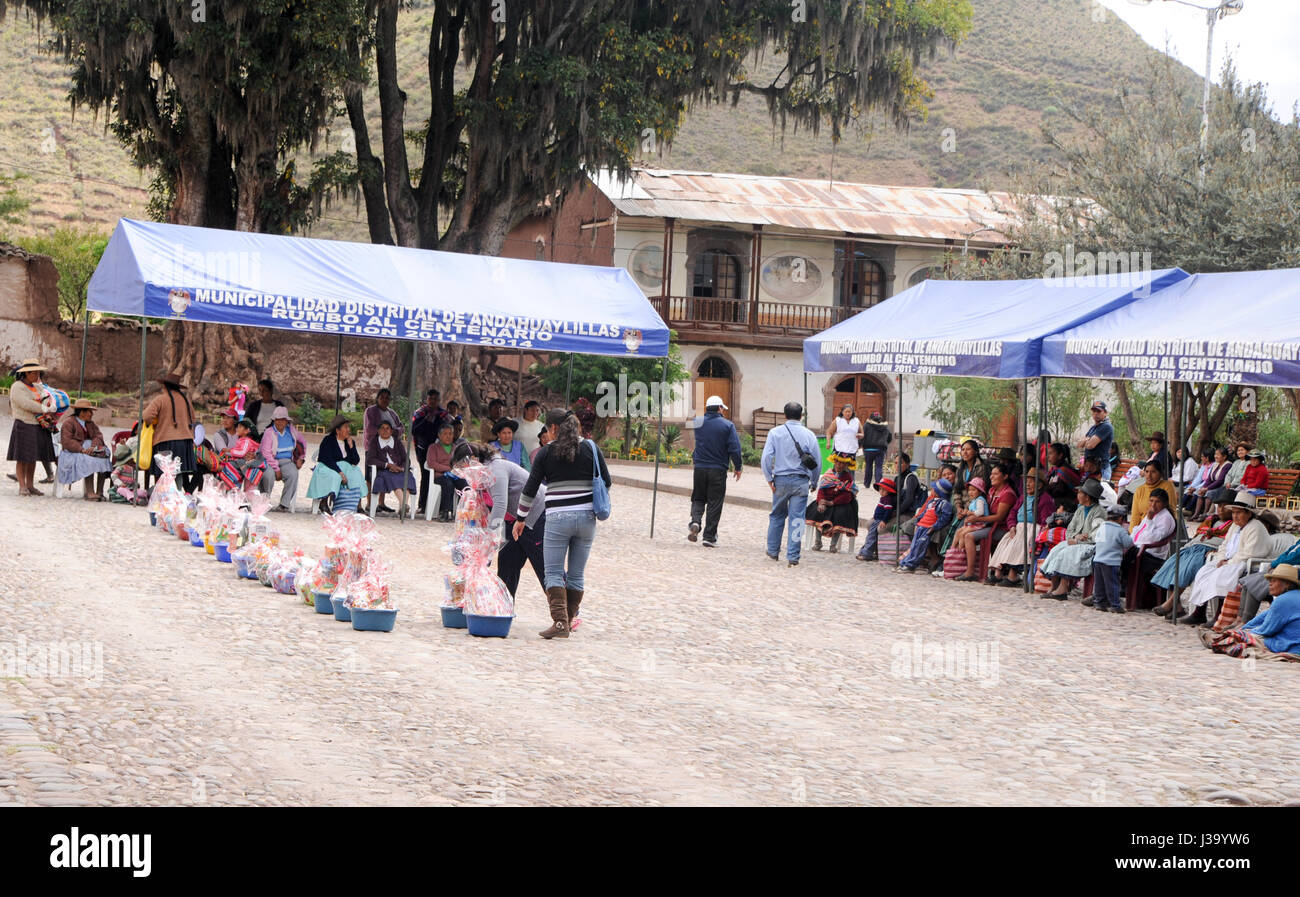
566 466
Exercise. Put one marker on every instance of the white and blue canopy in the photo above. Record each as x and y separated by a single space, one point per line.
1236 328
363 289
982 328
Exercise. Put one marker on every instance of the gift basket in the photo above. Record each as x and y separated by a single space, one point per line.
370 603
283 570
473 589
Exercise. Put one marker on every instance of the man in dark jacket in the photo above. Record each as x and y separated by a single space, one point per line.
425 423
911 494
717 446
876 437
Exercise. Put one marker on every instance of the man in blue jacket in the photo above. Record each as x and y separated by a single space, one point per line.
717 447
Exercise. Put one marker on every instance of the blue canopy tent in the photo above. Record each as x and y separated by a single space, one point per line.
362 289
1182 334
990 329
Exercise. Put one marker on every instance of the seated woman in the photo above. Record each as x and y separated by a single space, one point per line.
1062 479
835 511
337 481
1209 536
1254 588
84 456
1212 481
1071 560
1052 532
1245 540
391 470
1150 549
243 465
978 527
439 461
1274 634
1255 478
1008 558
505 443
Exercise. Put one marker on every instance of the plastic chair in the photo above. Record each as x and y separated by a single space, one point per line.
435 496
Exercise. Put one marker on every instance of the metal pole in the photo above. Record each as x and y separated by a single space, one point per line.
144 334
654 496
805 398
1173 615
1030 518
898 481
1031 562
338 379
410 448
568 385
85 333
1180 532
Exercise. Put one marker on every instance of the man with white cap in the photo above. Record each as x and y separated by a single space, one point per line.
717 447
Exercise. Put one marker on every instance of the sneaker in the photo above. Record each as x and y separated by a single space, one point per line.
1120 609
709 544
773 556
1089 602
792 564
938 574
695 531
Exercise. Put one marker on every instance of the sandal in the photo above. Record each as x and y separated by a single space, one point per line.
965 577
35 491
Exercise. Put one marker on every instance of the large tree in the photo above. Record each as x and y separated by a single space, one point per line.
214 97
1129 181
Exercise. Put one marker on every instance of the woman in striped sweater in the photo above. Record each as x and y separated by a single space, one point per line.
566 467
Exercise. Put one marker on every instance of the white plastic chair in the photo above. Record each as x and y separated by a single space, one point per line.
435 496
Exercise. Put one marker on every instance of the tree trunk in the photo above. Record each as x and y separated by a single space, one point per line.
209 357
1126 405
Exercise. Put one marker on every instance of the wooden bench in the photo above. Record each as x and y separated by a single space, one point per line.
1122 468
1281 483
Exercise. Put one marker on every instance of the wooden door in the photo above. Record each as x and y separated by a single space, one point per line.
863 393
713 386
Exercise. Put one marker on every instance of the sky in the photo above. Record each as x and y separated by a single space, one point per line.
1264 39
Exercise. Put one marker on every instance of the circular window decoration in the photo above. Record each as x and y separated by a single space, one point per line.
790 277
646 265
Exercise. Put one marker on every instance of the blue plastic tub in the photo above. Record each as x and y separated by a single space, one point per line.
324 604
453 617
488 627
376 620
196 538
342 612
223 552
153 519
241 568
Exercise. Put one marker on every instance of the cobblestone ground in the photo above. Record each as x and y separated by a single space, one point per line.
700 676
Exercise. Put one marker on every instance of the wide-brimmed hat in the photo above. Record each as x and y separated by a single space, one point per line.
1091 488
1157 436
27 365
978 483
170 377
885 485
82 405
339 420
1243 502
942 486
1256 454
503 423
1286 573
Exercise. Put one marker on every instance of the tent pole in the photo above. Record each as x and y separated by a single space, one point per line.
85 334
654 496
805 398
899 474
519 384
338 379
568 383
144 335
1173 615
415 359
1180 532
1031 519
1031 562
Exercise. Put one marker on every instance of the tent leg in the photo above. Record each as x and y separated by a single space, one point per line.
1030 519
899 474
85 335
654 496
1173 614
805 398
144 335
1030 561
415 359
568 383
338 379
1180 532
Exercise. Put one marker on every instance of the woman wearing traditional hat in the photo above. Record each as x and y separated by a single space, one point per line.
84 456
337 480
171 414
505 443
1274 634
835 510
1246 539
29 442
1072 559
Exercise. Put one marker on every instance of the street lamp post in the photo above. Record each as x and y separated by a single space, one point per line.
1212 15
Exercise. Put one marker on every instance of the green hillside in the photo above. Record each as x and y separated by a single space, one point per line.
1024 60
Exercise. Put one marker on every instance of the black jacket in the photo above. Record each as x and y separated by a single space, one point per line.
911 495
875 437
330 455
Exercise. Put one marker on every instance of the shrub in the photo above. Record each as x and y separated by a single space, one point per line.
310 413
750 454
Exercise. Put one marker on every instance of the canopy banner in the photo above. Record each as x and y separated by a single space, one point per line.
979 328
386 292
1232 328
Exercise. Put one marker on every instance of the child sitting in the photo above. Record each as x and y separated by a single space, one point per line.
1255 478
1112 540
932 517
883 514
977 505
243 464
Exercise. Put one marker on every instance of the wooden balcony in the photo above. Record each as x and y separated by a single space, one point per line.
776 325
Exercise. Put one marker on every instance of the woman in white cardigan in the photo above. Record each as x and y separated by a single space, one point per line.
1246 539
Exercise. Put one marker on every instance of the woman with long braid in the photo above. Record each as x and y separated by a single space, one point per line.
171 414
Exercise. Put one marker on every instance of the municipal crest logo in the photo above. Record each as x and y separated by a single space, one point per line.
179 300
632 339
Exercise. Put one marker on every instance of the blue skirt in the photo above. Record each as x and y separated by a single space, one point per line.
1190 560
386 481
74 466
326 481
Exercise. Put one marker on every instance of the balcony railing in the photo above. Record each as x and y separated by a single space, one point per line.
790 319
